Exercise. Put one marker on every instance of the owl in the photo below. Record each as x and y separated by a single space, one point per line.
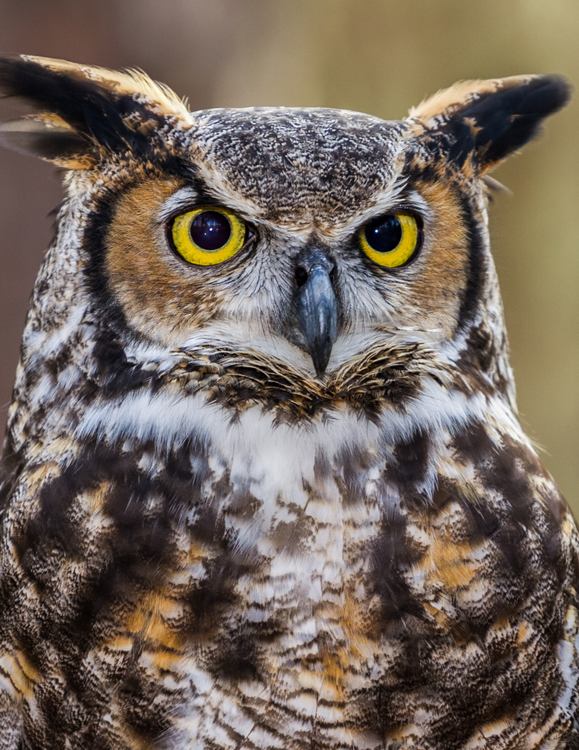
264 485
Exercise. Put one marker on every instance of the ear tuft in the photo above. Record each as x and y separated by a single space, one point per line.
84 111
489 120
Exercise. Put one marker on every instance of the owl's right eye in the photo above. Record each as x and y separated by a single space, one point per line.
208 236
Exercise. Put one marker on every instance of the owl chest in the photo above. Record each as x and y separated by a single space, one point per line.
248 578
274 559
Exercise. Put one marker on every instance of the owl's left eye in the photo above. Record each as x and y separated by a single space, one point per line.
208 236
393 240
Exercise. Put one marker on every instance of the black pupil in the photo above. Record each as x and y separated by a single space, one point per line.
384 234
210 230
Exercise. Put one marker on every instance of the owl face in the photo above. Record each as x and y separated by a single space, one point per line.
304 235
321 189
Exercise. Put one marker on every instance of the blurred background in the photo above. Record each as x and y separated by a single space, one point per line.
377 56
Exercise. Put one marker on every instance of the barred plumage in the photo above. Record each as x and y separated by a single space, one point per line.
283 499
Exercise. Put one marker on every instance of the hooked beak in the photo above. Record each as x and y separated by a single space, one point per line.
316 307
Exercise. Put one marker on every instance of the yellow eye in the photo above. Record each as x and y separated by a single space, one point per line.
391 241
208 236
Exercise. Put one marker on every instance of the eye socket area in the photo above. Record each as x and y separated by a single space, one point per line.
208 235
392 240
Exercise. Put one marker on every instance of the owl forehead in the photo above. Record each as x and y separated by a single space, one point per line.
298 165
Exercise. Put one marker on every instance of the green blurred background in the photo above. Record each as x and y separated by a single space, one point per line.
378 56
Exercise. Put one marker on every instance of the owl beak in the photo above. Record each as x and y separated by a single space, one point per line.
317 307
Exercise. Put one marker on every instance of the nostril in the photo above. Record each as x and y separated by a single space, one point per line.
301 275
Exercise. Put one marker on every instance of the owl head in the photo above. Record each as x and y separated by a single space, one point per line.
320 248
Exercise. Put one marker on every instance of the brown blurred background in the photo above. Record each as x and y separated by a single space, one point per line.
377 56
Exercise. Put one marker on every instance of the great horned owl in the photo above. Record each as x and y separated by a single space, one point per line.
264 484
